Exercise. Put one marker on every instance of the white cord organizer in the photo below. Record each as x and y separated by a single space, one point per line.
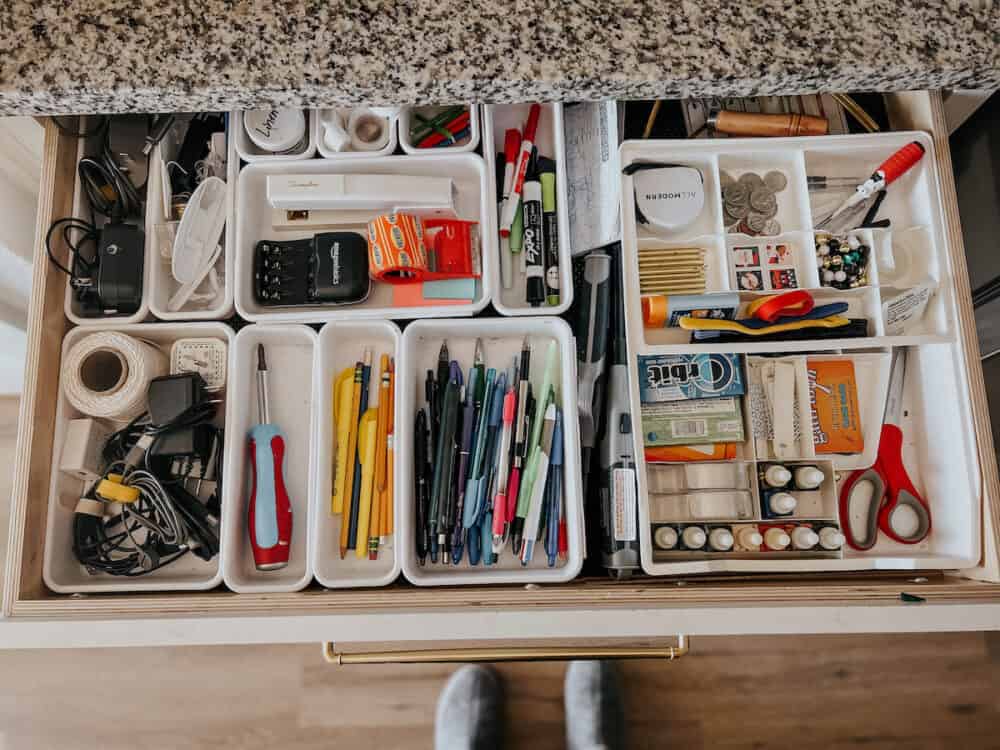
106 375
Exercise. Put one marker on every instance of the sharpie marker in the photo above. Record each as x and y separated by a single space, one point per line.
534 239
527 144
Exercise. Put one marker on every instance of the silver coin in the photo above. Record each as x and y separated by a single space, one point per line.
736 193
771 211
725 178
728 218
756 222
762 199
771 227
775 181
751 179
739 210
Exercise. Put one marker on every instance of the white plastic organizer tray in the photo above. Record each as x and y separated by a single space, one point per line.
291 352
341 345
253 224
502 340
60 569
550 140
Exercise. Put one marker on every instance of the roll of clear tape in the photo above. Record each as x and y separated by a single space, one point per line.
368 131
106 375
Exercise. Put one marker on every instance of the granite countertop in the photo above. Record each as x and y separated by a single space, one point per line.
63 56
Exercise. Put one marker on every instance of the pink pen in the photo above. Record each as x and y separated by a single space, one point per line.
500 512
527 144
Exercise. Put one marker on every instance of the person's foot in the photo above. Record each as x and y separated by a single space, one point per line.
595 710
470 711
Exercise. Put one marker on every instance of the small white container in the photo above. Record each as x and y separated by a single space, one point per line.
253 223
502 339
406 117
250 152
328 153
551 142
60 569
82 210
291 362
341 345
162 283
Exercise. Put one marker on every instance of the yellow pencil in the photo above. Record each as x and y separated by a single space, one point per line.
343 388
366 456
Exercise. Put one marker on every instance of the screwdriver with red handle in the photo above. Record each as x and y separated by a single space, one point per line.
269 519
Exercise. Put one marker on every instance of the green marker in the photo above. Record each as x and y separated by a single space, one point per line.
550 224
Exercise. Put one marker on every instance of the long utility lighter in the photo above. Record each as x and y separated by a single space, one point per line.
270 515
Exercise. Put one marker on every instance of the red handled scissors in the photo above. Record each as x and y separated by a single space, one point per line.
893 504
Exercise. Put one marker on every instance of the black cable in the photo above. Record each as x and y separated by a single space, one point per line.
81 268
109 191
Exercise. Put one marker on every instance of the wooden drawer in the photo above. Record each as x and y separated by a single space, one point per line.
871 601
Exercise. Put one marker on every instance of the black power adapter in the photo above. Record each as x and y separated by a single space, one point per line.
120 262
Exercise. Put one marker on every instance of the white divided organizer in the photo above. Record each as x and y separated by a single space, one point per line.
61 571
251 152
254 223
550 139
82 209
163 285
291 353
327 152
906 257
341 344
910 255
406 119
502 341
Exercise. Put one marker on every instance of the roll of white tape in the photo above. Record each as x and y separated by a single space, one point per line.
369 131
106 374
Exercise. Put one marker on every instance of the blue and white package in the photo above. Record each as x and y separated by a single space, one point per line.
679 377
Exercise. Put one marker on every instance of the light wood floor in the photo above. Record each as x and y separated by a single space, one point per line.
875 692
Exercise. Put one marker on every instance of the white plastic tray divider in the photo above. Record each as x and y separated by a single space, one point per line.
328 153
82 210
406 114
291 353
60 569
502 338
940 457
803 257
550 138
793 202
162 284
249 152
253 223
340 346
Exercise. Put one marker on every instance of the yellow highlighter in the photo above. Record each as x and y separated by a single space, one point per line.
367 431
343 389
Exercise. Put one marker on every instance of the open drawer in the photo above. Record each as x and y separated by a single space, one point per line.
833 601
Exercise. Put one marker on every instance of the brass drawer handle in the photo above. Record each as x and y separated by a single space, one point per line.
497 654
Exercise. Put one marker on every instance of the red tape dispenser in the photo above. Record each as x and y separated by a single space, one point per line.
404 249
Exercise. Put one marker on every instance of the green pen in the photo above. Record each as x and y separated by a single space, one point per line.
531 466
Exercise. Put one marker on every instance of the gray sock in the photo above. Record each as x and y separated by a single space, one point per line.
470 711
595 710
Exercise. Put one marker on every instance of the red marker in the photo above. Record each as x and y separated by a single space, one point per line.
527 143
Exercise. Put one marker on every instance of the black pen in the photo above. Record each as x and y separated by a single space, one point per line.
517 525
445 456
443 369
420 475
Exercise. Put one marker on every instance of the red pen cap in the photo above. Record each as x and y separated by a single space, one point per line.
511 145
509 407
532 124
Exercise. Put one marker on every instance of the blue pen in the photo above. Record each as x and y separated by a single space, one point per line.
479 454
475 548
472 398
490 455
486 537
555 492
